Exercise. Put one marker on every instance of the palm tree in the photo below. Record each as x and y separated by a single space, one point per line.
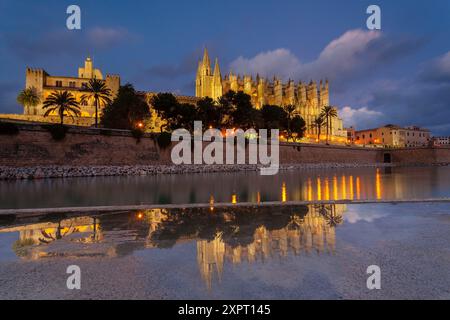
98 91
289 109
28 98
62 102
329 112
318 124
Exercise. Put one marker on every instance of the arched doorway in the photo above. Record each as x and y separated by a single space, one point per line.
387 158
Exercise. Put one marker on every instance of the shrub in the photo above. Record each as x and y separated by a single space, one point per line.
137 134
164 139
58 131
105 132
8 128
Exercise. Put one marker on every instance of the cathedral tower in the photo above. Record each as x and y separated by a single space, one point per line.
207 83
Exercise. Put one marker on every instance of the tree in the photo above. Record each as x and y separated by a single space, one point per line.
62 102
99 92
166 107
28 98
329 112
289 109
210 113
318 124
128 110
274 117
242 113
298 126
186 115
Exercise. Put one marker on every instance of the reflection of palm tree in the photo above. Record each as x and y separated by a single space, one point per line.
48 237
328 211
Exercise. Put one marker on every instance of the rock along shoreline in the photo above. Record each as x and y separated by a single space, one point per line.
56 171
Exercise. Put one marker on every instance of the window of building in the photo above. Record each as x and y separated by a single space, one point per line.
72 84
370 135
58 83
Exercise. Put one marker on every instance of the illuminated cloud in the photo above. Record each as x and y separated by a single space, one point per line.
353 55
360 117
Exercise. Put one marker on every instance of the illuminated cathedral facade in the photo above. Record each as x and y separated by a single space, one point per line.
309 99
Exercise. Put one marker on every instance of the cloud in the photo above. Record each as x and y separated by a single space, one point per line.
107 37
437 70
358 117
355 61
280 62
421 99
355 54
30 46
354 215
188 66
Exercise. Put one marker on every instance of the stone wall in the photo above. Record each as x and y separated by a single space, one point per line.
34 146
419 155
78 121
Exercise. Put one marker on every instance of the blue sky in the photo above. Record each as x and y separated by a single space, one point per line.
400 74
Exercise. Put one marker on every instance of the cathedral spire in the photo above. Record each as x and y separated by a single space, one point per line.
217 69
206 58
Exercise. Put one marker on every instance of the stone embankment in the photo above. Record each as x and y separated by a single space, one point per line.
40 172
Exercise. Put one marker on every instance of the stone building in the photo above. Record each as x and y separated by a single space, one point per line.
441 141
45 84
394 136
309 98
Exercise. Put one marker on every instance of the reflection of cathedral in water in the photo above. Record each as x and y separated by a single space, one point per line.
313 233
223 235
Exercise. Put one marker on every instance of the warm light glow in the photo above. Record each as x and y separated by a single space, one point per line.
211 202
283 192
344 188
327 190
319 189
358 188
378 184
351 187
140 215
309 190
233 198
335 188
140 125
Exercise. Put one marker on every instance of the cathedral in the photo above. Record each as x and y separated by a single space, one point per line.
309 99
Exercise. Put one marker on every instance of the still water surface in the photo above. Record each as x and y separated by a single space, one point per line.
298 185
273 252
240 252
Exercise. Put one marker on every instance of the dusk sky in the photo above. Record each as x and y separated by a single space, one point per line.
400 74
